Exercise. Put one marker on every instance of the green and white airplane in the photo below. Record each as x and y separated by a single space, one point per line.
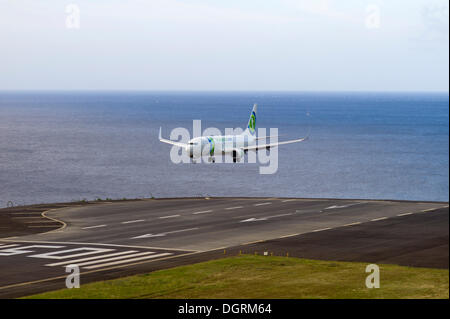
234 145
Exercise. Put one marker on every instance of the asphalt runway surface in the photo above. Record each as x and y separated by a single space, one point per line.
114 239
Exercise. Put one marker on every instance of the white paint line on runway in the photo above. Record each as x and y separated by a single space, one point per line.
133 221
170 216
202 212
163 234
74 261
128 261
377 219
404 214
8 246
261 204
322 229
288 200
115 258
235 207
429 210
263 218
91 227
352 224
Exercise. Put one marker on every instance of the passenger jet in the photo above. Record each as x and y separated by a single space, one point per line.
234 145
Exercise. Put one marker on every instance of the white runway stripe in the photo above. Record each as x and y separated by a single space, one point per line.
90 227
322 229
128 261
133 221
202 212
352 224
261 204
377 219
235 207
115 258
287 200
8 246
404 214
170 216
74 261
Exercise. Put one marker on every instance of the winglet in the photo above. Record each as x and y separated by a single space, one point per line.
159 136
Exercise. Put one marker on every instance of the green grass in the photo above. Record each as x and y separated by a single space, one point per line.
268 277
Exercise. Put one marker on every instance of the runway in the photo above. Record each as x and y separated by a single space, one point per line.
108 240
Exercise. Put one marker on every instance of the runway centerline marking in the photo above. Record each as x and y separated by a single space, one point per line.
91 227
133 221
377 219
288 200
170 216
202 212
235 207
163 234
261 204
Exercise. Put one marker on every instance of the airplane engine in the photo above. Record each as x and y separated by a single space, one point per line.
237 154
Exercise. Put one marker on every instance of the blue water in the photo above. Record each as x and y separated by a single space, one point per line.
68 146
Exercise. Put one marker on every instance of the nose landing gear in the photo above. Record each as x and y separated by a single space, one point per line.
211 159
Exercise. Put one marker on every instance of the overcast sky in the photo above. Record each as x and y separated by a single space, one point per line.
320 45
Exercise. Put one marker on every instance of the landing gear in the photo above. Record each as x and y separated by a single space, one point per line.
211 159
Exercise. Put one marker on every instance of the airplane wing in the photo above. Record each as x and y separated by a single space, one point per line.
179 144
267 146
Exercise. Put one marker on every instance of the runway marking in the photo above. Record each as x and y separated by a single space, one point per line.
202 212
133 221
87 251
377 219
170 216
7 246
92 262
12 239
31 226
40 221
322 229
40 217
235 207
128 261
352 224
405 214
263 218
429 210
288 200
163 234
261 204
291 235
91 227
342 206
74 261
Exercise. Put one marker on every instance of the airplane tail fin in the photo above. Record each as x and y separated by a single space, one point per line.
251 126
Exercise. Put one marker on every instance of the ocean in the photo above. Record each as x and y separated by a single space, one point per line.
68 146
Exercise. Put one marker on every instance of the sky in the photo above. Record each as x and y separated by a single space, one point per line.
244 45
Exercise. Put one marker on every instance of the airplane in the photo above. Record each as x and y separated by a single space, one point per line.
234 145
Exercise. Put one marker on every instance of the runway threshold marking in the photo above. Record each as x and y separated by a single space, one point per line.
235 207
115 258
202 212
91 227
133 221
74 261
128 261
261 204
170 216
163 234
